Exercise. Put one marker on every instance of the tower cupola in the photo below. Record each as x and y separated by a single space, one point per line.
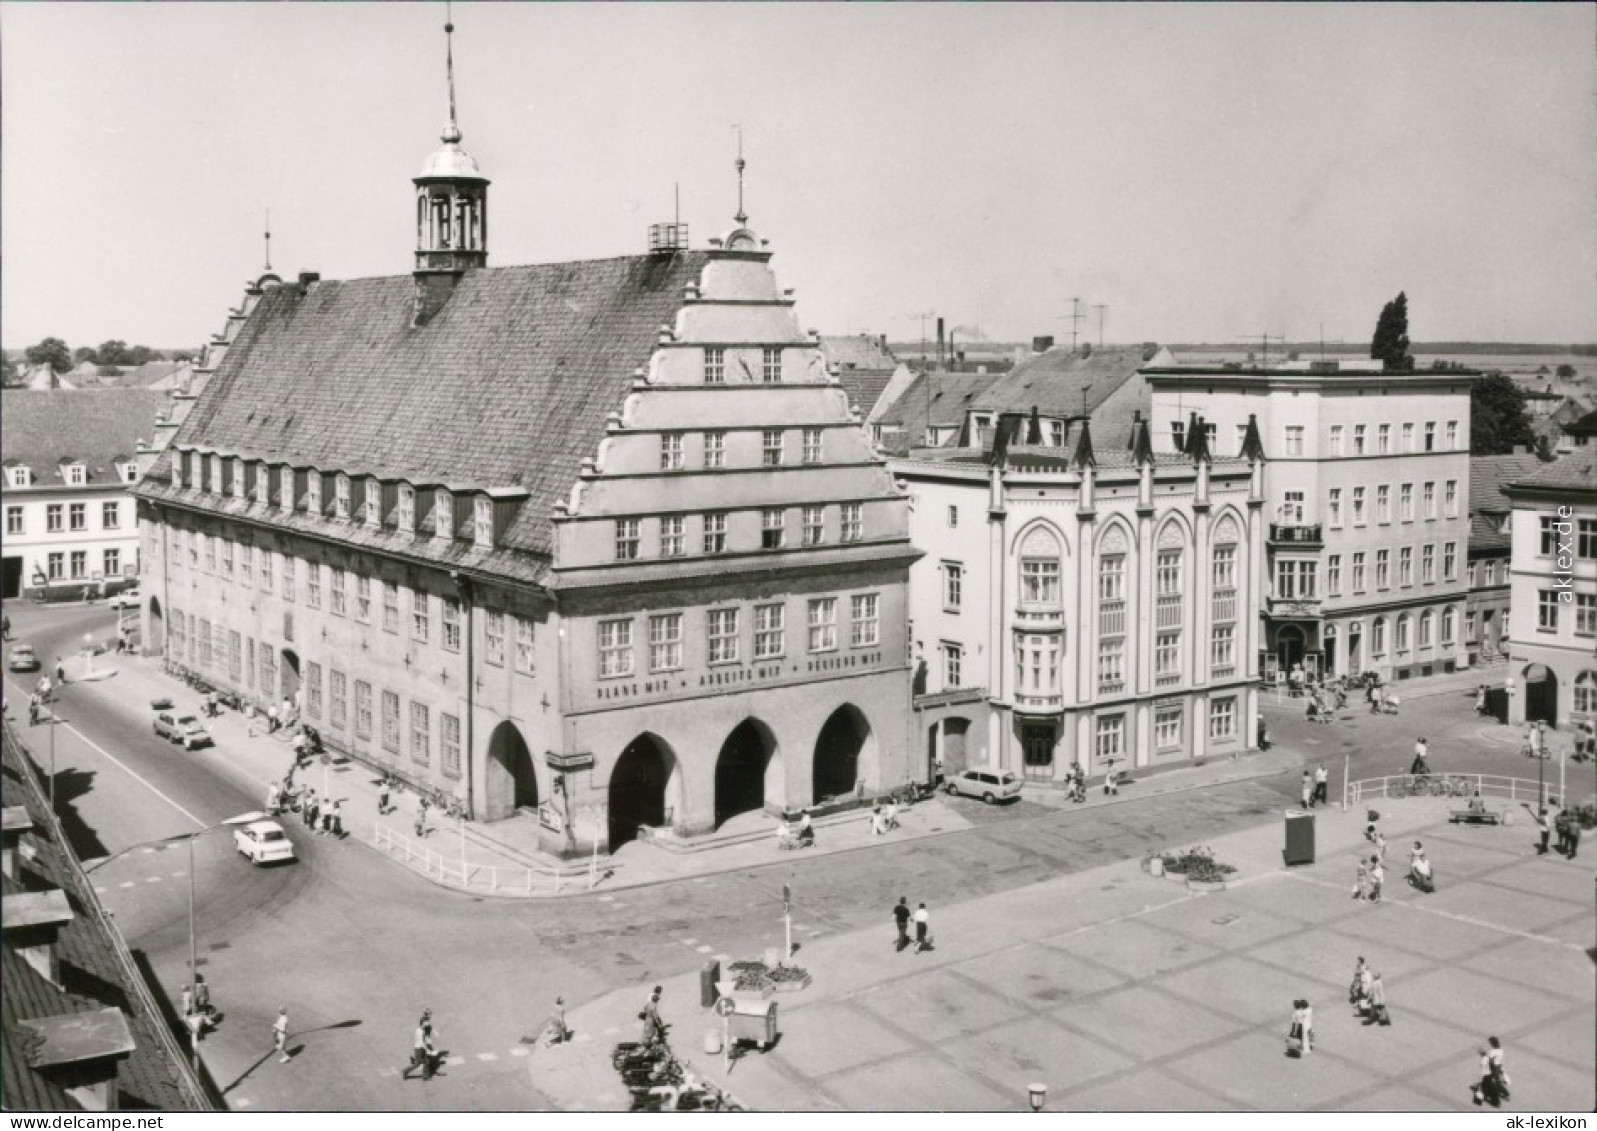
451 200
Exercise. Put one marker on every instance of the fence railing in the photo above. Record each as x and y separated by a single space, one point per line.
1457 786
510 880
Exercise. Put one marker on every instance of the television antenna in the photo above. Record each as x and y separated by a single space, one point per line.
1074 317
1100 307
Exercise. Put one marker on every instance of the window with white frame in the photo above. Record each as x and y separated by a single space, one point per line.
865 625
1358 506
56 566
1358 571
1408 437
671 451
715 533
1333 575
390 721
443 514
1167 727
1401 641
1549 535
290 577
1358 439
771 365
1336 440
814 525
1430 435
1452 435
313 687
313 493
1586 614
715 449
421 746
80 564
363 598
615 648
1224 572
673 536
1426 620
953 664
420 613
1333 507
1167 655
482 521
112 563
953 517
1585 698
450 619
1469 627
770 631
373 504
628 535
1039 582
78 516
1383 569
1405 502
1586 538
812 445
1449 561
852 524
722 627
493 637
1223 649
1405 565
953 586
1295 580
823 624
1111 664
1223 717
1383 503
526 655
1450 499
363 702
19 476
341 496
771 447
14 523
449 744
1294 439
1110 739
1292 508
714 365
111 515
406 520
773 528
266 559
665 642
1546 610
390 607
1429 497
1378 637
337 596
1383 440
1428 564
227 560
1447 627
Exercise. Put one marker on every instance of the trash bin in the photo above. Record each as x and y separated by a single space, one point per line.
1299 837
709 975
754 1020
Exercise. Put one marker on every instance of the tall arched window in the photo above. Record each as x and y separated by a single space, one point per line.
1585 700
1426 622
1039 569
1401 644
1378 637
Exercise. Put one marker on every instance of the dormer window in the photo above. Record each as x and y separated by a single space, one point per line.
217 486
407 509
285 493
238 478
263 484
313 493
341 496
443 514
76 475
18 477
484 522
374 501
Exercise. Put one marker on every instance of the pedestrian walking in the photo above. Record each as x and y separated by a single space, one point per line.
1480 699
1361 885
654 1028
60 672
1574 836
280 1034
1296 1039
901 914
274 799
556 1031
202 999
382 797
1322 784
1420 767
923 929
1306 790
421 818
1544 828
1377 1014
1377 879
33 709
1380 847
309 809
271 720
1492 1084
5 628
336 819
287 712
1561 828
326 824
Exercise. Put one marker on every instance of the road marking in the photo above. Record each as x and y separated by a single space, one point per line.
455 1061
487 1056
520 1050
125 884
690 942
704 949
153 880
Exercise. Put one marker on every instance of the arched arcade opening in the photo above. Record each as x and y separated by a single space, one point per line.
843 750
638 786
741 770
511 780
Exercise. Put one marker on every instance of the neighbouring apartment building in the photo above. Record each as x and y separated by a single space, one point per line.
70 459
1367 487
1553 663
601 540
1490 543
1081 605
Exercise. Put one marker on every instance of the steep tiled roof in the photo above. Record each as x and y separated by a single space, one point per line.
1056 380
1489 474
1584 426
936 398
857 351
1575 472
864 387
39 428
507 385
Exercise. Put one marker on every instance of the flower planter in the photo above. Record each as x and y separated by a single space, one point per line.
763 988
788 986
1205 885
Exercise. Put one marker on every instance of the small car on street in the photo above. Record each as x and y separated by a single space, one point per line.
22 658
127 599
986 782
263 842
184 729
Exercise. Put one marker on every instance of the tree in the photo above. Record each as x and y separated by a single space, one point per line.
1390 344
182 355
113 352
1497 419
52 350
84 353
1566 371
138 355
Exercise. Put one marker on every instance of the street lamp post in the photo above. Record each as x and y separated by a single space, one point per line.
1037 1094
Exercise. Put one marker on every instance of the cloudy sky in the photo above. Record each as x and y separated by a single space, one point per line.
1205 171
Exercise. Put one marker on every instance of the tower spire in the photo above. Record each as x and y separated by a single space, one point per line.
451 132
742 217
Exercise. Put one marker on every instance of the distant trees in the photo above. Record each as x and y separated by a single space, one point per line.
52 351
1390 344
1498 422
1566 370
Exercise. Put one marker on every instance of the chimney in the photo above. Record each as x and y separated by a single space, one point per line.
80 1053
939 342
33 920
306 278
1042 343
14 821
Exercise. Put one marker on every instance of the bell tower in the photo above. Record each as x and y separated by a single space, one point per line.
451 210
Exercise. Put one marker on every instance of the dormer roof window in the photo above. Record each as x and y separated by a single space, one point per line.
374 501
443 514
285 493
313 493
240 475
129 471
483 526
216 475
75 474
406 519
341 496
18 477
263 483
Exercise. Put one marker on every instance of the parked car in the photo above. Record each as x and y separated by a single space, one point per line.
127 599
185 729
989 784
264 842
22 658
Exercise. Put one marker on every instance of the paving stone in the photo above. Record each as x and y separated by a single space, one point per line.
1398 1097
1412 929
911 1084
1329 957
1550 876
1298 895
1132 1092
1037 1048
1039 976
938 1006
1532 963
810 1044
1475 1000
1239 987
1539 1084
1196 918
1568 1039
1135 947
1515 910
1146 1023
1254 1070
1411 1042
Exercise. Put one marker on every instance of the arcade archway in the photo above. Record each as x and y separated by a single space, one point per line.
511 780
844 739
741 769
1541 695
638 789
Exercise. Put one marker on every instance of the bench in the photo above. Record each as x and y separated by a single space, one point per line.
1476 817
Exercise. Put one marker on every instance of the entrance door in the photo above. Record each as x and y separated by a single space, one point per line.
956 754
13 578
1037 748
290 673
836 764
637 790
1289 647
511 782
1355 652
1541 695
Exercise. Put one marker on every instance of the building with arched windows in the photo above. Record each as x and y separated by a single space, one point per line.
601 542
1079 605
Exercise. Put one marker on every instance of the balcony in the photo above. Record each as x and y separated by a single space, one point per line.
1296 606
1295 534
1038 703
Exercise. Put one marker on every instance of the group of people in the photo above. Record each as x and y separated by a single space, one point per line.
884 819
198 1013
324 817
424 1052
1566 824
801 835
903 917
1316 787
1367 993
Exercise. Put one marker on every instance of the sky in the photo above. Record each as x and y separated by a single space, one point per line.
1203 172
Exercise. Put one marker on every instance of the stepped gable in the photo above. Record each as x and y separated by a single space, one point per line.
507 384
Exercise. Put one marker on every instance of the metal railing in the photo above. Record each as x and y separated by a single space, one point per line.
495 878
1459 787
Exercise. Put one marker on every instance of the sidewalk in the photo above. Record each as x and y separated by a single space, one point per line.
1122 991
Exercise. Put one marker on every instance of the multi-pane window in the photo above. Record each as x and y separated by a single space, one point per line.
1383 503
1452 435
814 525
1401 642
450 619
1546 610
290 576
1225 567
1039 581
1112 578
390 720
615 648
671 452
1430 435
1428 563
1110 739
1358 506
715 449
1408 437
773 528
313 688
526 656
337 592
1429 497
57 566
1378 637
770 631
1469 627
227 559
1586 538
313 493
14 520
715 533
1358 439
1295 580
1549 536
80 564
1336 440
852 526
1449 561
1223 717
722 625
1333 507
1491 572
1167 573
1405 565
340 494
390 607
1167 727
313 584
1425 628
953 586
363 709
1111 664
209 545
627 538
1223 649
1333 575
419 614
865 620
1586 614
111 515
1294 439
78 516
953 663
1448 616
493 636
1358 572
953 517
714 365
812 445
1450 499
673 536
1292 508
337 699
449 744
771 447
823 624
665 642
363 598
1405 502
113 561
1167 654
1383 569
421 746
483 521
246 566
266 558
406 520
770 365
